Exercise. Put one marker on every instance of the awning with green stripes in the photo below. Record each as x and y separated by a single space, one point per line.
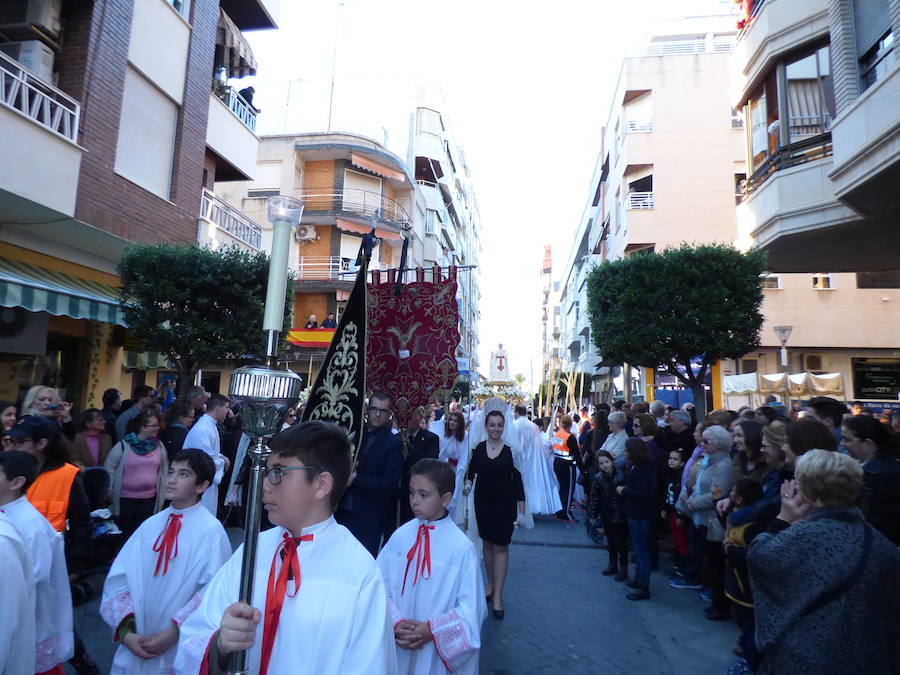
146 361
41 290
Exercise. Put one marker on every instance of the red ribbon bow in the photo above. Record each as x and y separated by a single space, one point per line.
421 551
277 589
167 543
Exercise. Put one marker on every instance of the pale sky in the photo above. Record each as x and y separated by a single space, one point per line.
527 93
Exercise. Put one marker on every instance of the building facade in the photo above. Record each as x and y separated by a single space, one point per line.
114 134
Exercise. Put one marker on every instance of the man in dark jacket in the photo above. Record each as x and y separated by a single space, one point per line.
421 444
373 485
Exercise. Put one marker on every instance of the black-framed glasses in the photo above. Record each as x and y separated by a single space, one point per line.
379 411
276 473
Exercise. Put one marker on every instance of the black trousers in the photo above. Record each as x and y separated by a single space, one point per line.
133 512
565 474
617 539
715 570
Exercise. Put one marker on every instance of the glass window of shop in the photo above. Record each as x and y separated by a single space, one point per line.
810 95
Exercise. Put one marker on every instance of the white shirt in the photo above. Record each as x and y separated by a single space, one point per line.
53 636
17 617
204 435
451 599
338 621
159 600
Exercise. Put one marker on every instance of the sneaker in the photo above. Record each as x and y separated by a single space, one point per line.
685 583
706 596
740 668
675 573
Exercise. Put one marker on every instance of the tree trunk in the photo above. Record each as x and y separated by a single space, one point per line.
699 399
185 380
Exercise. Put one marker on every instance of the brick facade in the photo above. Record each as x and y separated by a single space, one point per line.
92 69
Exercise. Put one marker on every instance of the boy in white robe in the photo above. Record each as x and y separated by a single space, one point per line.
155 582
434 581
319 604
53 636
17 617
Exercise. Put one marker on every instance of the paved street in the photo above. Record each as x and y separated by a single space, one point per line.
562 616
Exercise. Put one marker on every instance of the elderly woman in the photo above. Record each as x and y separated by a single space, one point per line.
712 477
826 584
615 442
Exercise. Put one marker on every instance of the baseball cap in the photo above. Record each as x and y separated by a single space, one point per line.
34 426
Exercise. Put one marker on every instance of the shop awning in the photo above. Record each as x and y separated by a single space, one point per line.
146 361
375 167
41 290
310 337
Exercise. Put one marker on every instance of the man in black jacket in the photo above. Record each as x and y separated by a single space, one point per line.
373 485
421 444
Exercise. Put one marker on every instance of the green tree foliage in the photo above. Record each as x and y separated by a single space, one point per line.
663 309
195 305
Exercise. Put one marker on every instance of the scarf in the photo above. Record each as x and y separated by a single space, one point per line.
140 447
167 543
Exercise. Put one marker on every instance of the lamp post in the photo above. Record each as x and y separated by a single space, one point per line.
265 393
783 333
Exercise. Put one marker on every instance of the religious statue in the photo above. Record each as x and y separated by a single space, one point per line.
500 366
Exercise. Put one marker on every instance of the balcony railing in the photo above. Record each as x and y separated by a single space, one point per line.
638 126
354 203
38 101
807 150
639 201
229 219
330 268
237 104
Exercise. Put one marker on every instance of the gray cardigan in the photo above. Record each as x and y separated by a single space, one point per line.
115 466
699 498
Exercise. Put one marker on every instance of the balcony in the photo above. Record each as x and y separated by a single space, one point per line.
221 224
236 103
353 203
335 269
640 201
39 127
230 136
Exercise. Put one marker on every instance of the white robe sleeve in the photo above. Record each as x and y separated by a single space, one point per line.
117 604
17 618
457 634
371 645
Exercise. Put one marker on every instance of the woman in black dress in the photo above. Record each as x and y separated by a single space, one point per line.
499 504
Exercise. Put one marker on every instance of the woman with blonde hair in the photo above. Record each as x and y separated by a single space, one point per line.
826 584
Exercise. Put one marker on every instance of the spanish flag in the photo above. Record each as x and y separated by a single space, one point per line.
310 337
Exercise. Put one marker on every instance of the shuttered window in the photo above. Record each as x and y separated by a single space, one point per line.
872 20
146 141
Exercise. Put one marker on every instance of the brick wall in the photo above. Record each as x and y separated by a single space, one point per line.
93 64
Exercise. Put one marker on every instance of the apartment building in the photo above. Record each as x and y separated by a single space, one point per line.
118 118
452 222
819 84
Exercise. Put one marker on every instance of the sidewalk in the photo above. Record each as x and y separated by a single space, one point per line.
563 616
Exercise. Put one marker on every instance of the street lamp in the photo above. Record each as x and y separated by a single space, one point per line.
783 333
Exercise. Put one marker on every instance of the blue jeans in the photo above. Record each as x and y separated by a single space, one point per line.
640 540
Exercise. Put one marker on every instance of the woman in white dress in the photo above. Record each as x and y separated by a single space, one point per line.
454 450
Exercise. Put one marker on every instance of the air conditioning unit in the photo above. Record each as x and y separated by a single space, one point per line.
33 55
815 363
305 233
41 14
22 332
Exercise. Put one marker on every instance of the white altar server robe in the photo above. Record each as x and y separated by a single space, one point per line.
451 599
543 486
338 621
17 617
204 435
53 636
166 598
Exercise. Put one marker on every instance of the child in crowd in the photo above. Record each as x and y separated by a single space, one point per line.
671 490
433 580
737 580
155 581
53 637
607 508
323 598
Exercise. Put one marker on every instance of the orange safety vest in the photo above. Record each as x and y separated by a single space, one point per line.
560 444
50 493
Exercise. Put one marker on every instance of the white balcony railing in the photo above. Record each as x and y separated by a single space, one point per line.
331 268
675 47
639 201
38 101
638 126
229 219
236 103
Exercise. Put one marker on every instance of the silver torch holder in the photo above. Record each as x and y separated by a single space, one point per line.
264 396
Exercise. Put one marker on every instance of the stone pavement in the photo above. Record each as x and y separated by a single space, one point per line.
563 616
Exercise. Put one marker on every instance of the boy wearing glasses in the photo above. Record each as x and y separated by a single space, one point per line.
155 581
319 602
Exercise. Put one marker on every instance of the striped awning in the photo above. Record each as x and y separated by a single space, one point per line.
311 337
146 361
41 290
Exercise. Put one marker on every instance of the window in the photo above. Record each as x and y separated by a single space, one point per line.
146 141
822 281
183 7
770 282
874 64
885 279
267 181
810 95
748 366
764 123
737 119
739 179
432 222
429 122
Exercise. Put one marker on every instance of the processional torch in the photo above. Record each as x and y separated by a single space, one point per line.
265 393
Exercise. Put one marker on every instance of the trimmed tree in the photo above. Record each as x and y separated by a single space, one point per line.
665 310
195 305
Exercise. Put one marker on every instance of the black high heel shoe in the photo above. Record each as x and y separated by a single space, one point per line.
498 613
